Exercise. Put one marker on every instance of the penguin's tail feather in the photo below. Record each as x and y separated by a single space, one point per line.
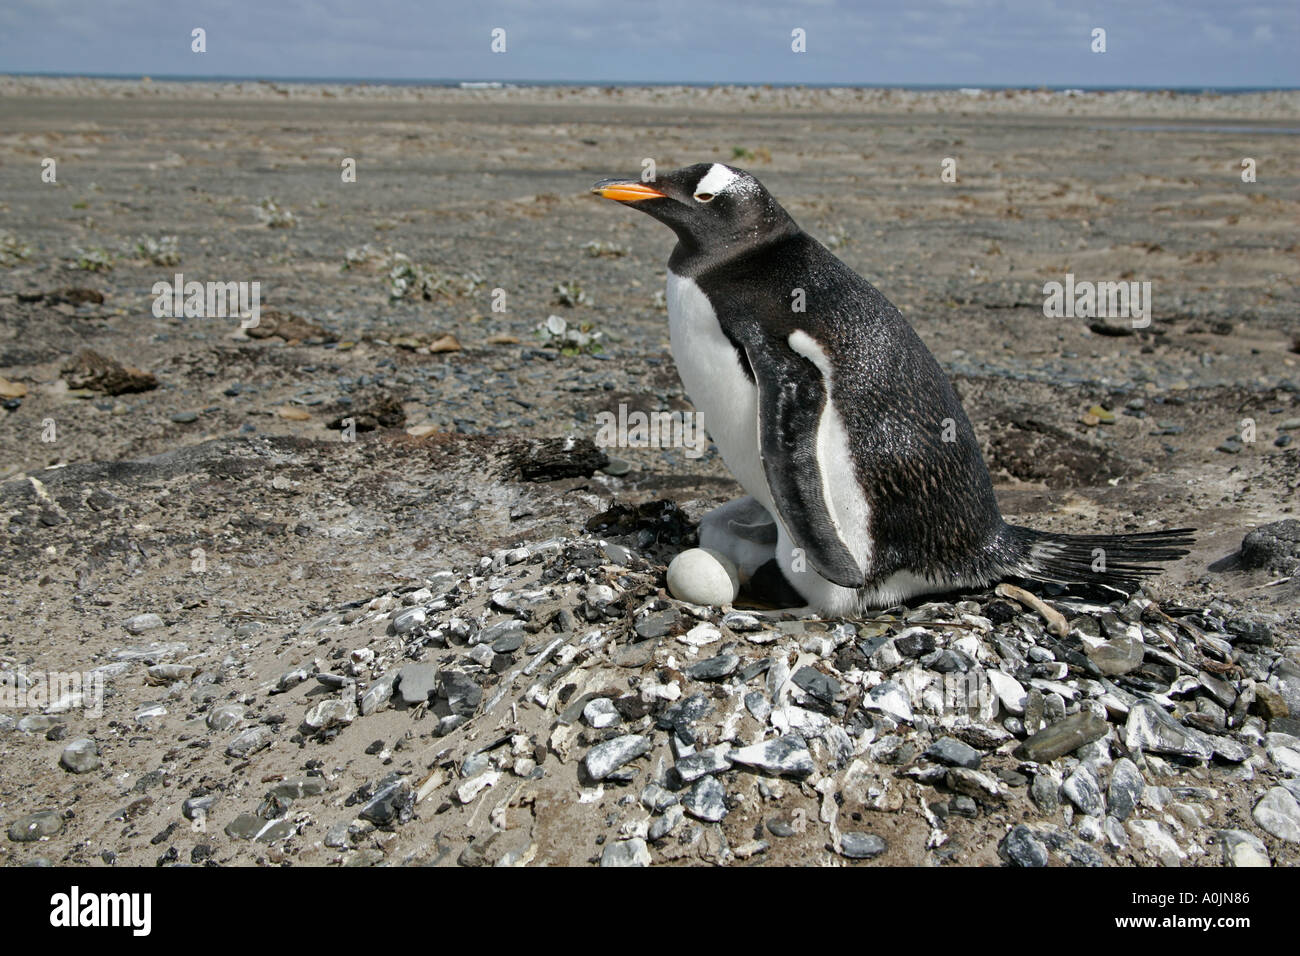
1108 561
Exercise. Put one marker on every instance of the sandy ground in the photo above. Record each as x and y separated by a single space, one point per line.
231 456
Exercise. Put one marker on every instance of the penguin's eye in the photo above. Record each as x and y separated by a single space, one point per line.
703 197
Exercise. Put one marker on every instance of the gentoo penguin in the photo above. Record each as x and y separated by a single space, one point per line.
865 482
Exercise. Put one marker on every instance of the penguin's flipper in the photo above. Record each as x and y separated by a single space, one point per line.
792 436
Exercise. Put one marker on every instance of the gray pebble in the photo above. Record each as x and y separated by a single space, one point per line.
861 846
626 853
225 716
81 756
953 753
706 800
1126 786
1021 847
604 758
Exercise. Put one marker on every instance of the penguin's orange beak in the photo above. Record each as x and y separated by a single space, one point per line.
626 190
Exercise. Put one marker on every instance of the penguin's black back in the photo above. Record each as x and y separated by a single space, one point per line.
933 511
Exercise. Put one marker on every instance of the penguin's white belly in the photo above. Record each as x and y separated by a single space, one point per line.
716 383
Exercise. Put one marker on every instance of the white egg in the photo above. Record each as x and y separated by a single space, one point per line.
705 577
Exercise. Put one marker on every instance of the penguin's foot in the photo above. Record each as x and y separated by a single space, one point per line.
744 531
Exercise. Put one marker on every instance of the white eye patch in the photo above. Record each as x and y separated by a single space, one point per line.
717 179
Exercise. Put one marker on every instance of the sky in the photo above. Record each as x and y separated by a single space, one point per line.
1162 43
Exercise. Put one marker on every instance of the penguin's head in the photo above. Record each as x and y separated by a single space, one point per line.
706 204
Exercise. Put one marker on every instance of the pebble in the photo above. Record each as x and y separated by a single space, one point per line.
378 694
656 624
713 760
660 827
462 693
953 753
331 713
1021 847
713 668
706 800
28 829
1149 835
1081 789
861 846
250 741
600 712
701 576
81 756
604 758
1126 787
408 619
142 622
392 803
1063 737
788 756
740 622
1010 693
1278 814
626 853
701 635
889 698
225 716
1242 849
758 705
1152 730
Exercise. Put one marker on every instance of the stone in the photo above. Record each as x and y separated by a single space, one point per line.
821 687
701 576
1021 847
81 756
706 800
1149 835
1082 789
604 758
660 827
889 698
250 741
1063 737
33 826
408 619
626 853
225 716
1117 656
332 712
713 668
758 705
1126 787
378 694
861 846
416 682
953 753
391 803
656 624
462 694
600 712
1278 814
142 622
782 756
1152 730
1011 695
701 635
1242 849
713 760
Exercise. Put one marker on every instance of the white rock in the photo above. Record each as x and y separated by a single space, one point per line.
1279 814
701 635
1151 836
699 576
